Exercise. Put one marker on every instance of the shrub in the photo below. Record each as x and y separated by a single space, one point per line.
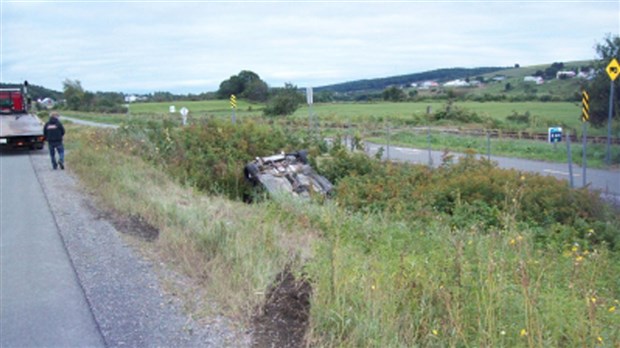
211 155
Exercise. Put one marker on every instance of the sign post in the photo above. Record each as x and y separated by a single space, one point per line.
310 100
585 117
233 106
554 136
570 159
613 69
184 111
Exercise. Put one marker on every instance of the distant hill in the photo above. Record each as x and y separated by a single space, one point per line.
379 84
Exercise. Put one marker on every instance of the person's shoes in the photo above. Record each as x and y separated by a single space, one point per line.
55 167
62 165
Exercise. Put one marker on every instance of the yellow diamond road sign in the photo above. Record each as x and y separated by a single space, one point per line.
613 69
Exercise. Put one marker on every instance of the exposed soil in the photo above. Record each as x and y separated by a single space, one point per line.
283 319
280 322
132 225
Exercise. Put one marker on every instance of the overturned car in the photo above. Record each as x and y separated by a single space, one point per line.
287 173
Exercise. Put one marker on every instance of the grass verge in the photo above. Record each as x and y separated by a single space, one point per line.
232 249
377 281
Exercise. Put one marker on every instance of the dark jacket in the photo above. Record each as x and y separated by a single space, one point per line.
53 130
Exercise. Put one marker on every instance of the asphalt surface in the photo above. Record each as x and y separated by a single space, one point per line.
606 181
68 278
89 123
42 301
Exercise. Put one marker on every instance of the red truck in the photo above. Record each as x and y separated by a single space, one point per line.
19 127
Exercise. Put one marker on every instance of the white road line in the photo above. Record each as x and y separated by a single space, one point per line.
401 149
551 171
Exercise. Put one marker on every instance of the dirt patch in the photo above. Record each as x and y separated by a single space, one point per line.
135 226
132 225
283 319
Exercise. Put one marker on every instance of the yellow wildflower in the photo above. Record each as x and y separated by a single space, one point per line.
593 299
435 332
612 309
599 339
523 332
574 248
512 242
579 258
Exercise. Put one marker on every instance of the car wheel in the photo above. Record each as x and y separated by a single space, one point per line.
251 173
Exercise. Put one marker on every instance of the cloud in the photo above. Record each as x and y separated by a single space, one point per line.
193 46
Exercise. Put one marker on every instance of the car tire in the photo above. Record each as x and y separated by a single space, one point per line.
251 173
303 156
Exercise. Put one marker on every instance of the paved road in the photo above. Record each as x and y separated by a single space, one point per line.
42 303
89 123
607 181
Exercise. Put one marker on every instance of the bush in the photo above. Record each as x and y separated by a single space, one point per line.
211 156
470 192
517 118
284 102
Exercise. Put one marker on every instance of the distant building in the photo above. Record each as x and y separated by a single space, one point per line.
565 74
429 84
134 98
130 98
536 79
456 83
48 103
587 75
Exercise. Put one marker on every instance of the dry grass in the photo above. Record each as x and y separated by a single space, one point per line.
230 250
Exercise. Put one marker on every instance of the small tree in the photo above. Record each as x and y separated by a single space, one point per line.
394 94
599 87
284 101
73 93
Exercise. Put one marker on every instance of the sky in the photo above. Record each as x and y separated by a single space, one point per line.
135 46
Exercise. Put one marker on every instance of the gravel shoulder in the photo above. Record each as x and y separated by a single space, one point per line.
123 288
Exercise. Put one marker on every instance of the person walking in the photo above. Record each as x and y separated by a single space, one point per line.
54 132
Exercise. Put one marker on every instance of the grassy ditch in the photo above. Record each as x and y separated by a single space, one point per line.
467 254
231 249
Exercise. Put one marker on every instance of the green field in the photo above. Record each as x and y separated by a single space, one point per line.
542 115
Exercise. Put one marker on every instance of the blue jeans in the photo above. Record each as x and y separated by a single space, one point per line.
57 147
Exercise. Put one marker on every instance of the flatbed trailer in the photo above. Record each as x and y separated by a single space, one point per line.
19 128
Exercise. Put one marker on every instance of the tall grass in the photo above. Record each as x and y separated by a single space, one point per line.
379 280
233 250
380 283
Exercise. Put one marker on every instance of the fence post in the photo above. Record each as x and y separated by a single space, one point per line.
430 155
584 163
388 142
570 160
488 146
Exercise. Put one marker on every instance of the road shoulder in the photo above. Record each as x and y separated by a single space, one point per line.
122 287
